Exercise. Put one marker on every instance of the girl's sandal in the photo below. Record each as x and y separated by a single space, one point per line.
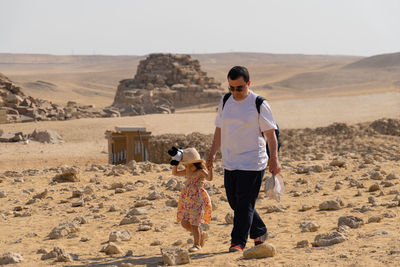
204 237
195 248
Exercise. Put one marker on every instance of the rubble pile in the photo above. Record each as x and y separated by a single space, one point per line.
164 82
302 144
22 108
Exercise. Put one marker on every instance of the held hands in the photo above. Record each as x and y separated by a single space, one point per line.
209 161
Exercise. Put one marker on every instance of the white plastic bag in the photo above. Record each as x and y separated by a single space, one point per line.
274 187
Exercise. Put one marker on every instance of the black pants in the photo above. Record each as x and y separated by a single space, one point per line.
242 188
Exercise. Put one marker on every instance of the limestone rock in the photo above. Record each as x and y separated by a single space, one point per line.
171 203
261 251
375 219
175 256
229 218
350 221
330 205
60 254
41 195
137 211
112 249
121 235
67 176
64 229
302 244
329 239
309 226
10 258
46 136
129 219
339 162
374 187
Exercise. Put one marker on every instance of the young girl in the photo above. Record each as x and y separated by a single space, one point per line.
194 206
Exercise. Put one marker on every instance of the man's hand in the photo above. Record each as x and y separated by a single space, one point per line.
274 166
273 163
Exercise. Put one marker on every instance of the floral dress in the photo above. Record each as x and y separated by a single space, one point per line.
194 203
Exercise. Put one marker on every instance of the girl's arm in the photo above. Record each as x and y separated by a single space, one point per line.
208 175
178 173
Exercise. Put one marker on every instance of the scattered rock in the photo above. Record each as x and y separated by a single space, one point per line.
330 205
128 254
67 176
137 211
261 251
60 254
375 219
64 229
175 256
329 239
46 136
302 244
10 258
305 208
121 235
41 195
171 203
229 218
350 221
273 208
338 162
376 175
112 249
78 203
129 219
391 176
309 226
374 187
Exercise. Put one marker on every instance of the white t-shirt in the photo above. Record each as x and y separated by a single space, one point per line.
242 145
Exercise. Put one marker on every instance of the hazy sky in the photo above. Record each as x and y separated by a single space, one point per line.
118 27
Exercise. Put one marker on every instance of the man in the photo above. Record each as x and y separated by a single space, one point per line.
244 158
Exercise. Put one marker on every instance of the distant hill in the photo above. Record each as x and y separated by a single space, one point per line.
378 61
381 72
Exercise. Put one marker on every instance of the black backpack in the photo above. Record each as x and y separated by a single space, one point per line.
259 101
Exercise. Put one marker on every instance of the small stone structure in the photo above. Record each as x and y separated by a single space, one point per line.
164 82
127 144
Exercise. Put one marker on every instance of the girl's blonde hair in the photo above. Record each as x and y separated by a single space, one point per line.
198 165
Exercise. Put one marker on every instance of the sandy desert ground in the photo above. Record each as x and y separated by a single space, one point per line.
326 166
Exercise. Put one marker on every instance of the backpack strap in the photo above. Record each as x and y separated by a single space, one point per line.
226 96
259 101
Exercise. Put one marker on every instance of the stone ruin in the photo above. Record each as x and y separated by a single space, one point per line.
164 82
299 144
22 108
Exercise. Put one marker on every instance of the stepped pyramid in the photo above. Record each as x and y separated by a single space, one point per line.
163 82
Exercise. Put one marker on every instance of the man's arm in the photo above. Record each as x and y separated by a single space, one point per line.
274 166
216 144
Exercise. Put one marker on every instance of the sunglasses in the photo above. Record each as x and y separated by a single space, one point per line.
236 88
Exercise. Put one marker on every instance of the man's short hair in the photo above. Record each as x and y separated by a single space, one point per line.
237 72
